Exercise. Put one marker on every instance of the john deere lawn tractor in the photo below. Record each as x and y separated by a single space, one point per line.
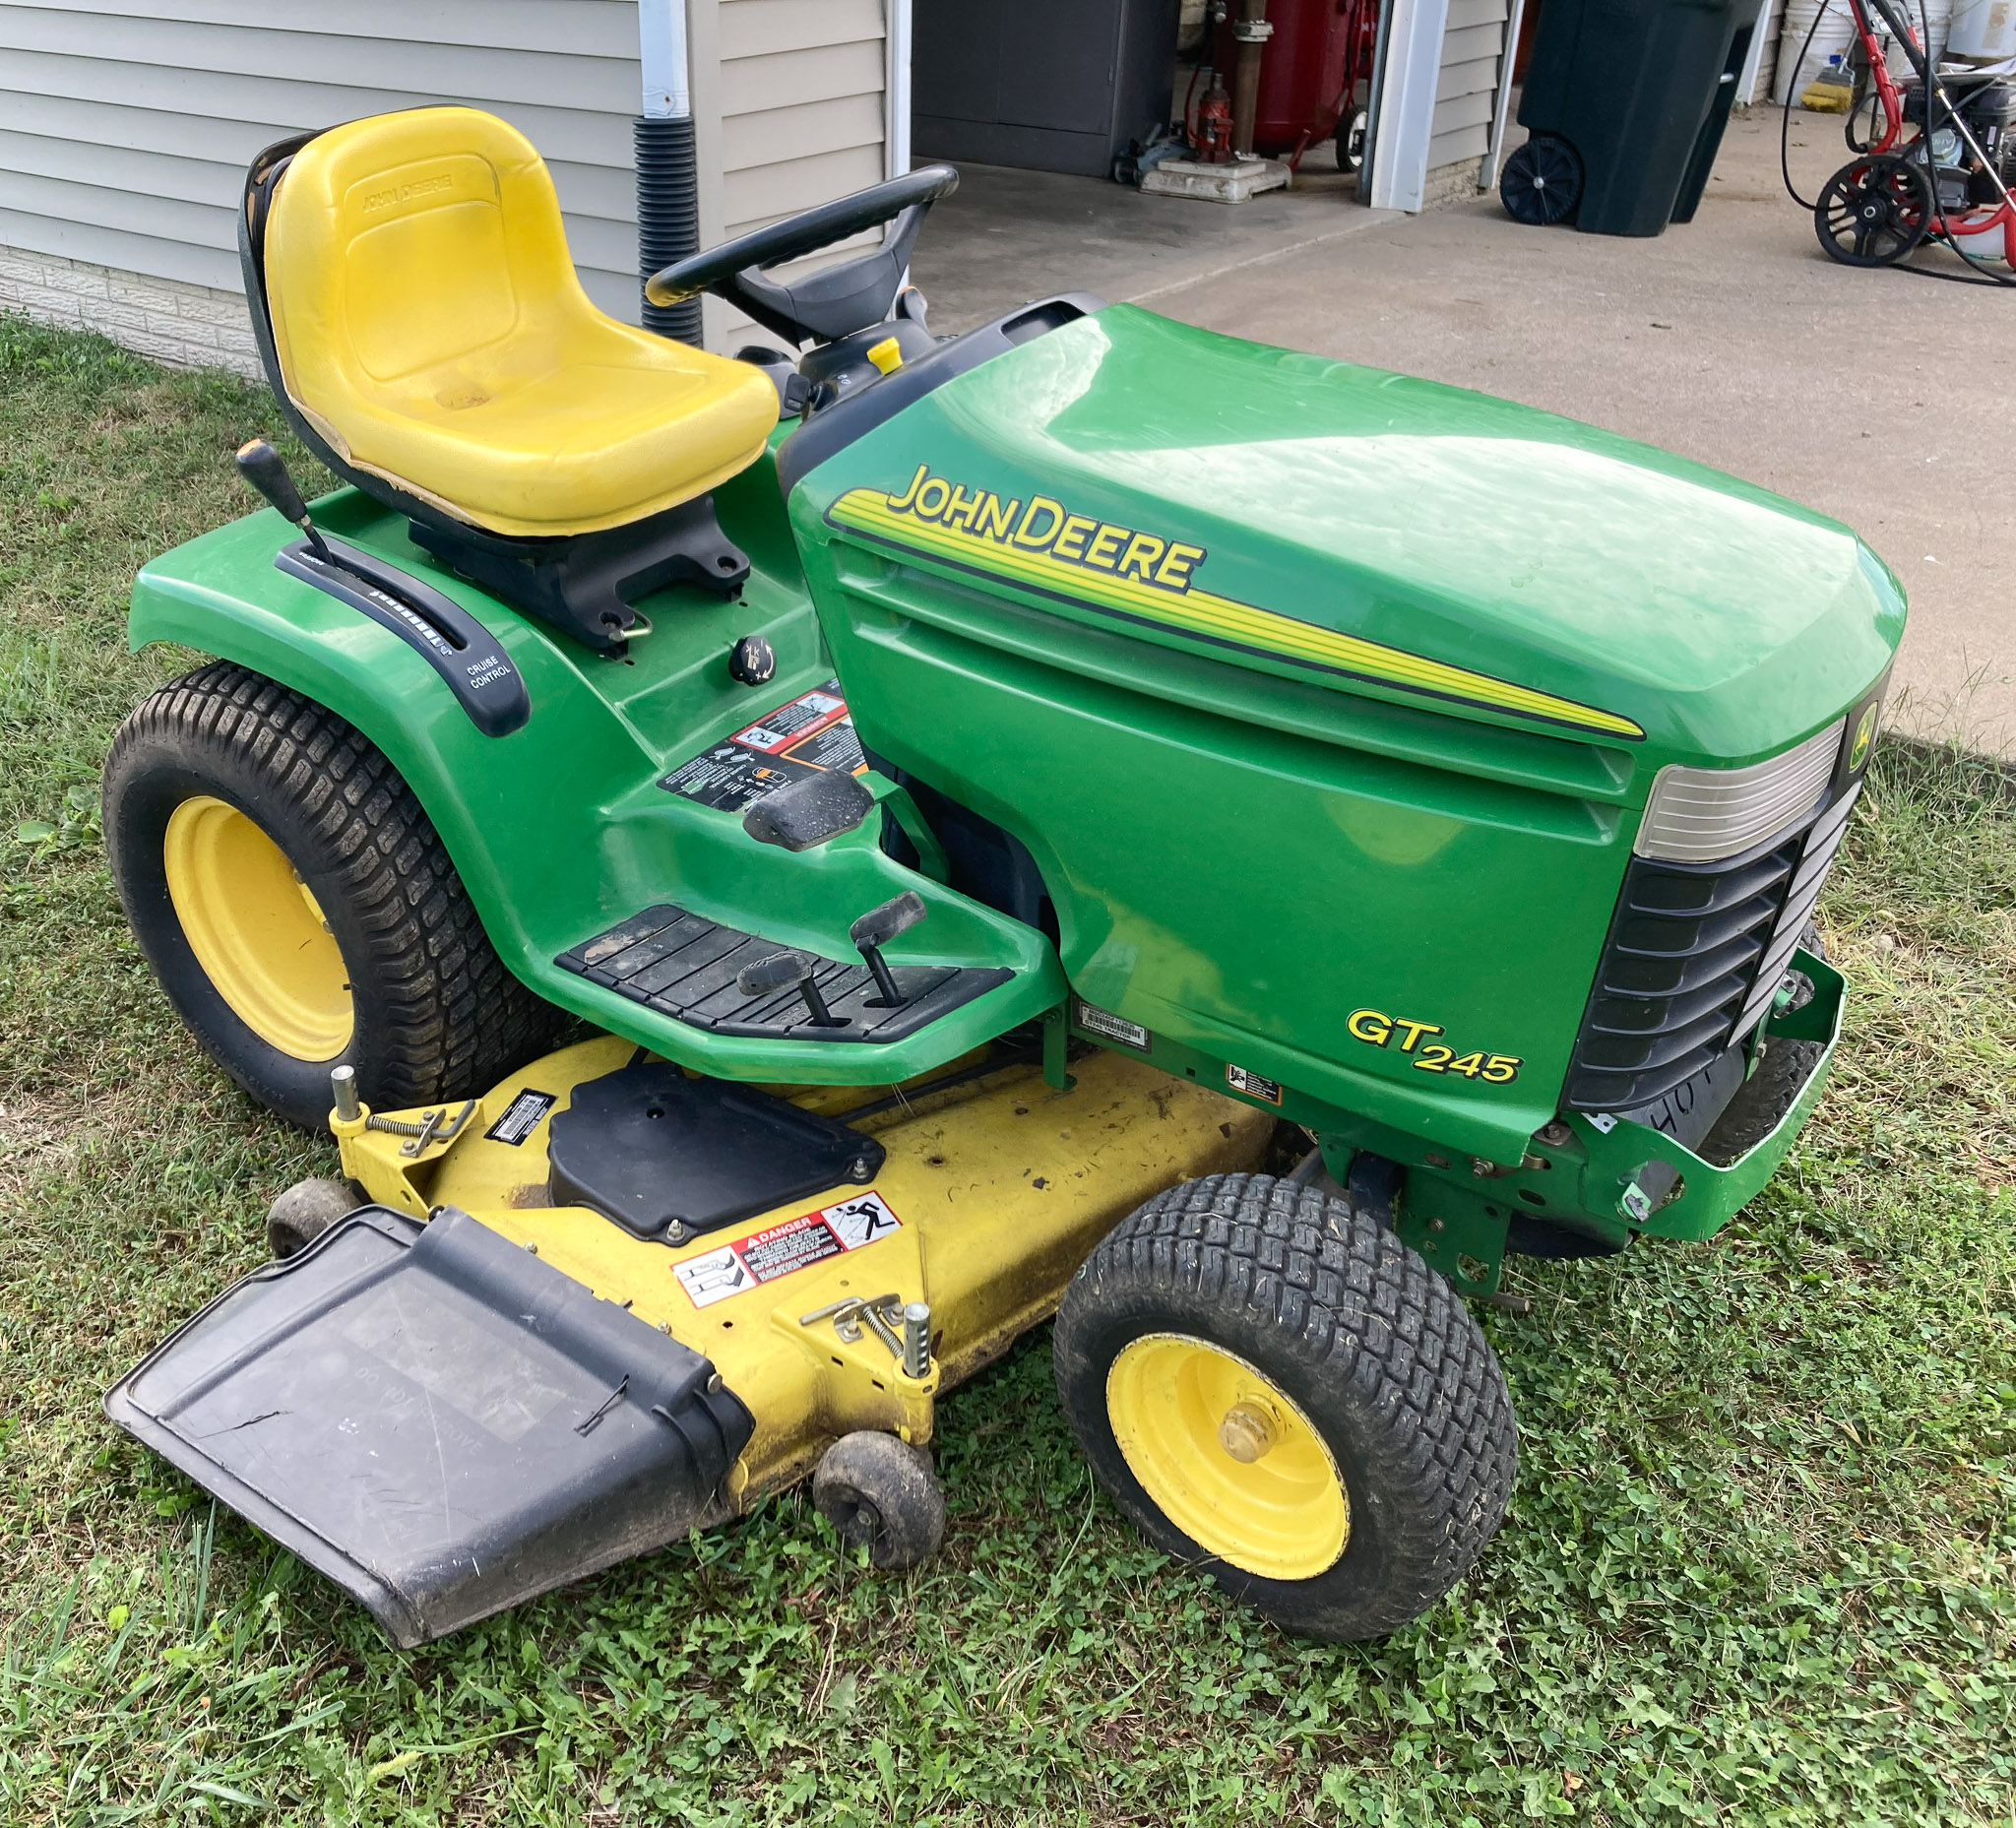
783 874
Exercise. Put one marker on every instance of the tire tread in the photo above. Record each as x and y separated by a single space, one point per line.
1351 1303
455 1018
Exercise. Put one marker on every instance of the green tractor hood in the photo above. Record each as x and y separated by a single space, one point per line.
1391 536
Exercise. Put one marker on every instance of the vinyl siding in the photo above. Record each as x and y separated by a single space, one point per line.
1467 87
125 129
802 86
1770 23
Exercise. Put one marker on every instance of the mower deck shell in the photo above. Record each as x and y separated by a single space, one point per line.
998 1186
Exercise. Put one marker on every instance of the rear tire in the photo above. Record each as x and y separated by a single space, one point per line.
249 825
1316 1346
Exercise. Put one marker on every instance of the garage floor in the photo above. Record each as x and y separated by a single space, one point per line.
1876 396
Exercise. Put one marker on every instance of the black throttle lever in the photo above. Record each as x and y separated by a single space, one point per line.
874 930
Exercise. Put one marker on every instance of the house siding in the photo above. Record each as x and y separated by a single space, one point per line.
125 130
1466 91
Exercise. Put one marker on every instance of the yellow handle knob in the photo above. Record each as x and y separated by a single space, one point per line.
887 356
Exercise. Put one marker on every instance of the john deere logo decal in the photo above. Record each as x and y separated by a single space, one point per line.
1040 547
1864 735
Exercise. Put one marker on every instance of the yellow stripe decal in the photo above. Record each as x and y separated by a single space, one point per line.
1175 607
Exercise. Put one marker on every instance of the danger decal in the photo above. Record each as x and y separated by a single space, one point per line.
780 1249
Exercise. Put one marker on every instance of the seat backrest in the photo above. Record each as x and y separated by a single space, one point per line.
400 249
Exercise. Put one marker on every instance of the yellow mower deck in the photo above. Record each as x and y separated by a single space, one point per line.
997 1189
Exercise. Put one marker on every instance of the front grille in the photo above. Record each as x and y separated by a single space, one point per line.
1695 954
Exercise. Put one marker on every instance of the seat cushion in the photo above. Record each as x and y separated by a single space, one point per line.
431 324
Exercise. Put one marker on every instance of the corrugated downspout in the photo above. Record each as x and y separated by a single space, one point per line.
668 168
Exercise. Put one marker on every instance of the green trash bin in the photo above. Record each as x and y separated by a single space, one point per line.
1626 104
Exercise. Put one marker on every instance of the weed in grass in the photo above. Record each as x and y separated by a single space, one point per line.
1758 1567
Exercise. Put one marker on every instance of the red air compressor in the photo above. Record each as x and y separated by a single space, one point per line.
1317 55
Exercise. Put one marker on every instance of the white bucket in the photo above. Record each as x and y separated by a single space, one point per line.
1988 246
1829 42
1939 18
1982 30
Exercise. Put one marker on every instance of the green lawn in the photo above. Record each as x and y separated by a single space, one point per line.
1760 1567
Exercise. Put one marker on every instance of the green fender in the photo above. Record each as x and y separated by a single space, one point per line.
560 830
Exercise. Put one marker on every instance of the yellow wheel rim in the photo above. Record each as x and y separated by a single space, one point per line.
1228 1457
256 930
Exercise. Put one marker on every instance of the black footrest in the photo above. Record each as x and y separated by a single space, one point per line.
684 966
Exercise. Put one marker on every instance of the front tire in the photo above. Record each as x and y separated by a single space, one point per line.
1269 1383
298 907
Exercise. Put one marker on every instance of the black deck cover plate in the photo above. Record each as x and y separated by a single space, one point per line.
435 1420
684 966
651 1147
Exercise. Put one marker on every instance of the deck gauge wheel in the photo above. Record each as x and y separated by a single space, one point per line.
1270 1384
1875 211
1541 183
301 1213
880 1493
298 907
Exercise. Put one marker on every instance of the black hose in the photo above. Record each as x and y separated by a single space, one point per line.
1784 120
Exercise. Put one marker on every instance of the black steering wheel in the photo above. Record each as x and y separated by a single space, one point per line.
834 301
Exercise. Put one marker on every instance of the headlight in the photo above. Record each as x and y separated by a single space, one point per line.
1700 815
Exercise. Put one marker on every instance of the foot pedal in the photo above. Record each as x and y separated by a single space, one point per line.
689 969
668 1157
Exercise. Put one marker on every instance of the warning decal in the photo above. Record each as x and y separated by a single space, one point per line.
779 1249
1253 1085
812 734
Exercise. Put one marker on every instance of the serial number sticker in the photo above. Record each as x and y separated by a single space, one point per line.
1376 1029
521 1118
1108 1027
1253 1085
781 1249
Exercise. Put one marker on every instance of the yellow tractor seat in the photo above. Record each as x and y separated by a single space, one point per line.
427 323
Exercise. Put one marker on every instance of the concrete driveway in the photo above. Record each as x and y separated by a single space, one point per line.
1886 399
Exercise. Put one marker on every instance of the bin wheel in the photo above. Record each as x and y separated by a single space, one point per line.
1269 1383
306 1210
298 907
1875 211
1350 142
880 1493
1541 183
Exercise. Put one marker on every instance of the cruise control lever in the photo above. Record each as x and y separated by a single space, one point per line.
266 469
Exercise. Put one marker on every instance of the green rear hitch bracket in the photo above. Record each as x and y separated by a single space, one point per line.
1056 1047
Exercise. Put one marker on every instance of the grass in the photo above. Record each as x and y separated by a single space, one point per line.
1759 1565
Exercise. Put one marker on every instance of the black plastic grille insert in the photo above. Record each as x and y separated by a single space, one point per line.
1695 952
